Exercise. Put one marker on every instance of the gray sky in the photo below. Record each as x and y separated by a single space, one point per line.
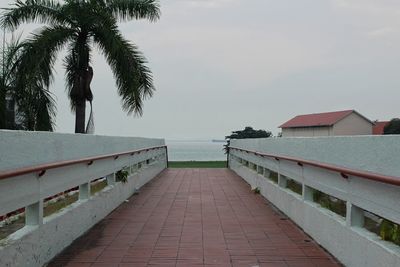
221 65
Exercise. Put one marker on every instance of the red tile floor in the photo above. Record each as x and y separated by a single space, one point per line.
195 217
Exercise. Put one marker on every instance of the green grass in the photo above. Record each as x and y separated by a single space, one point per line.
8 229
197 164
51 208
97 187
61 203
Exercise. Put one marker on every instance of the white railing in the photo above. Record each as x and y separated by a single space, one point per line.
28 184
347 175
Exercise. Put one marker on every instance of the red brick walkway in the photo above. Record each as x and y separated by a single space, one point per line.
195 217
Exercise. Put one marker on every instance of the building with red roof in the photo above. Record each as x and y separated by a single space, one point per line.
345 122
379 127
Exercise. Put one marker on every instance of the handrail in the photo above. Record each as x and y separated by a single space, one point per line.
344 172
89 160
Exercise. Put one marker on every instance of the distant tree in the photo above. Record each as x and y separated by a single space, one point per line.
248 132
393 127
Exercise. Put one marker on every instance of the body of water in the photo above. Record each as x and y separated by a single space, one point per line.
195 150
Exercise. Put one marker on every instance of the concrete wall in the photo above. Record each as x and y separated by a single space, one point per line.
379 154
353 124
43 238
33 148
344 237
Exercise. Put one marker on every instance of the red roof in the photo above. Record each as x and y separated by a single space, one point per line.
317 119
378 127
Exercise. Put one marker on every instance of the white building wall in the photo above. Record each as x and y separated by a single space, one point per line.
307 132
353 125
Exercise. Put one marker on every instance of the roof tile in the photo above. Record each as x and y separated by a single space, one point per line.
317 119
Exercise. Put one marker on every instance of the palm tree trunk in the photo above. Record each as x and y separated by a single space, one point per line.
80 105
83 59
83 95
80 114
2 109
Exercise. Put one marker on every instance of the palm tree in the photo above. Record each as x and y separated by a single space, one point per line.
35 105
78 25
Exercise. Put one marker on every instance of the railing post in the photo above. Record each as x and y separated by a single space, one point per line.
229 159
354 215
267 173
254 167
282 180
166 157
84 191
34 214
133 168
260 170
111 179
308 193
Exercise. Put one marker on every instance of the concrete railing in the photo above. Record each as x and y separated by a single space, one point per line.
37 166
361 172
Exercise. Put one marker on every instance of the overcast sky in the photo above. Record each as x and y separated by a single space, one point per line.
221 65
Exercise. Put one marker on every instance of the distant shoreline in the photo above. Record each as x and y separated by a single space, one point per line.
195 141
197 164
195 151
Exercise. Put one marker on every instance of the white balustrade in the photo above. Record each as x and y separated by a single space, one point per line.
62 168
345 237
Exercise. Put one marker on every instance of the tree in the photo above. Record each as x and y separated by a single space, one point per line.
35 105
78 25
393 127
248 132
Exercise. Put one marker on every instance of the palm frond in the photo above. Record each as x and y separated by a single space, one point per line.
40 11
13 50
37 109
46 112
9 53
40 50
134 79
33 76
134 9
36 106
97 15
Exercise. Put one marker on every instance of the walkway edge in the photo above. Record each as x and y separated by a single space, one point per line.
37 245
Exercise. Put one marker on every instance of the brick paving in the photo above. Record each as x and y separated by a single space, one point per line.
195 217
